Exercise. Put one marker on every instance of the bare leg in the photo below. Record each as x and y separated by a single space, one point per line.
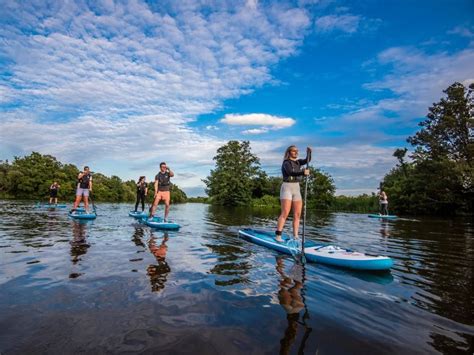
297 206
285 211
55 200
77 202
86 203
156 201
167 209
50 200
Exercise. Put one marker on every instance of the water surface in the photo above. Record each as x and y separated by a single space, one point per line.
114 285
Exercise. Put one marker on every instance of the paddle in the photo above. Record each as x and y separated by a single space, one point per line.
308 329
308 159
92 201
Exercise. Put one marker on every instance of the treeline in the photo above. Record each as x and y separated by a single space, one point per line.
31 176
439 177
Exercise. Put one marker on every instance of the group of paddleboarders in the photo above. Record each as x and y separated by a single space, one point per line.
293 171
162 186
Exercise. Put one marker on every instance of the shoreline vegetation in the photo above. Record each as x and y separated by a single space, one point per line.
437 178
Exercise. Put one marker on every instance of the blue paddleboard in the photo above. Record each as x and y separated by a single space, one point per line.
77 214
319 252
383 216
157 222
52 205
137 214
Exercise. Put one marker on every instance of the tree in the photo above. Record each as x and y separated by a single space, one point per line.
231 182
440 178
445 134
321 189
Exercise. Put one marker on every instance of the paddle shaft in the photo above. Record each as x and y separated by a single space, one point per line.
308 158
92 201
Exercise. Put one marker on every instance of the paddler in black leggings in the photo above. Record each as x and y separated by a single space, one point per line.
142 191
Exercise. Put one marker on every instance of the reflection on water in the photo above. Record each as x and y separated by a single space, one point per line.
137 237
127 288
158 272
79 245
291 297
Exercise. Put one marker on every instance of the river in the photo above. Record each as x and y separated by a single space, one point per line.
113 285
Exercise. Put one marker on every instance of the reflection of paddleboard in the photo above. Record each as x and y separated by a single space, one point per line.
319 252
157 222
384 216
137 214
82 215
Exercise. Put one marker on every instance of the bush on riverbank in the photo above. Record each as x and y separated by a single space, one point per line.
30 177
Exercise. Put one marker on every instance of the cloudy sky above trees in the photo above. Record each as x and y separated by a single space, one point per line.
124 85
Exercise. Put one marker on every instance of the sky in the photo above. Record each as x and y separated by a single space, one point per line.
123 85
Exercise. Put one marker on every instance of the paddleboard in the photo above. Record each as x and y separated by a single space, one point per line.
384 216
82 214
137 214
319 252
157 222
47 205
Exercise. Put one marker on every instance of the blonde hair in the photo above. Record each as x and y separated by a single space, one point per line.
287 152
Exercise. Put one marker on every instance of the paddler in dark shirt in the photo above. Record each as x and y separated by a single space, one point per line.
142 191
290 195
162 190
53 193
84 188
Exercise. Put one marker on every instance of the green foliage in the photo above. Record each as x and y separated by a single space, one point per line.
321 189
266 201
30 177
198 199
440 178
231 183
361 203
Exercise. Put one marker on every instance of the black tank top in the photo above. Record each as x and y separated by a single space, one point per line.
84 181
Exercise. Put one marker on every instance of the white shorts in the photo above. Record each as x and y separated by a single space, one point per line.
82 192
290 191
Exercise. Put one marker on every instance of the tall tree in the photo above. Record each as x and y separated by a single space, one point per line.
321 189
440 179
231 182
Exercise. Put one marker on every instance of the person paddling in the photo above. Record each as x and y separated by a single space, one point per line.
290 194
162 190
142 191
84 188
53 193
383 201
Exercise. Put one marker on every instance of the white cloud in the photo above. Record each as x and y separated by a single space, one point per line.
125 80
255 131
463 31
258 119
345 23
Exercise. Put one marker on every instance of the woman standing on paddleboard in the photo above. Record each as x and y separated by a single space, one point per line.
290 194
383 201
142 191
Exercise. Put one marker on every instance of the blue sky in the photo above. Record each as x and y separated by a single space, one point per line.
123 85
